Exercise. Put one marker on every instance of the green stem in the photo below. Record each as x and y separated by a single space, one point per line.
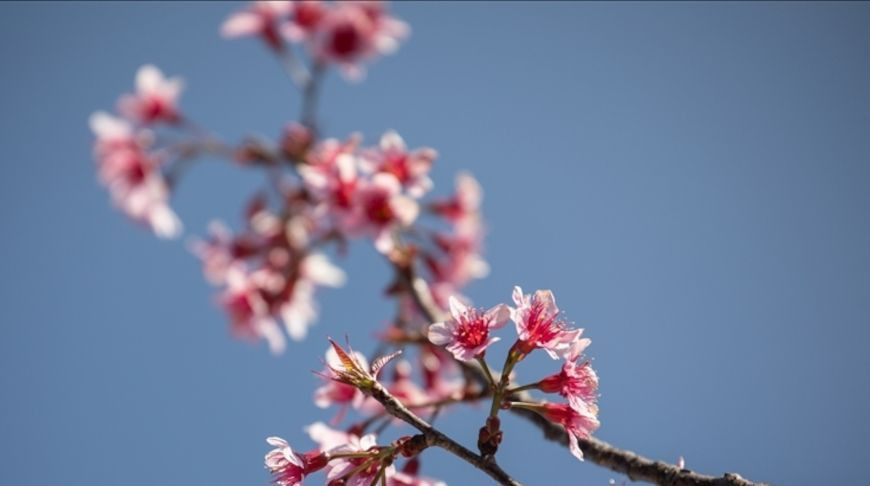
530 386
487 372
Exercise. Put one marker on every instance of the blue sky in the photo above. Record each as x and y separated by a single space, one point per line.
690 179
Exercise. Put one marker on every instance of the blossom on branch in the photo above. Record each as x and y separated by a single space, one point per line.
132 175
289 468
155 98
262 18
577 382
466 333
539 326
410 168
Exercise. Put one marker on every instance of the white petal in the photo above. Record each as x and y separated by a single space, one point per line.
457 308
406 209
321 271
148 78
241 24
440 333
498 316
392 141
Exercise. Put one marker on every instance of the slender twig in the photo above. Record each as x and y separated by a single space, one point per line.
434 437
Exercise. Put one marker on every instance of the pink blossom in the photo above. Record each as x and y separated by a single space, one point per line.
262 19
577 382
410 168
538 324
286 467
351 32
215 253
383 209
289 468
306 19
299 310
340 467
131 175
579 422
332 177
248 310
464 203
155 98
326 437
466 333
405 389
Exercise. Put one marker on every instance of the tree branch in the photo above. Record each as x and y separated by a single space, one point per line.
636 467
435 437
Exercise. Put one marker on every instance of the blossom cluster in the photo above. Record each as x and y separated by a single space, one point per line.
342 33
127 164
327 191
466 334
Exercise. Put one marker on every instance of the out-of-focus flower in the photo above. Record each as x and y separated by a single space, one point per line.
464 203
261 18
215 253
155 98
306 19
381 209
352 32
326 437
410 168
248 310
131 175
538 325
466 333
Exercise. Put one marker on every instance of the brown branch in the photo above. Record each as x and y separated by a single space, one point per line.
435 437
636 467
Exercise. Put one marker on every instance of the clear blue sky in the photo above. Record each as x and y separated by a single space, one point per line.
690 179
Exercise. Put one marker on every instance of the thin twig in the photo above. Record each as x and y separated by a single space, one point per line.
435 437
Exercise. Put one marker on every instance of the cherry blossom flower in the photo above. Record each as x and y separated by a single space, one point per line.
215 253
382 209
538 325
410 168
351 32
132 176
249 313
464 203
155 98
260 18
334 181
341 467
300 310
289 468
466 333
577 382
306 19
326 437
579 422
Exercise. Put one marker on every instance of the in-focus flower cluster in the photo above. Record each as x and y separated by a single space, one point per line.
466 334
342 33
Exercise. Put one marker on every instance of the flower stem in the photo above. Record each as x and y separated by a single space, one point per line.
530 386
487 372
